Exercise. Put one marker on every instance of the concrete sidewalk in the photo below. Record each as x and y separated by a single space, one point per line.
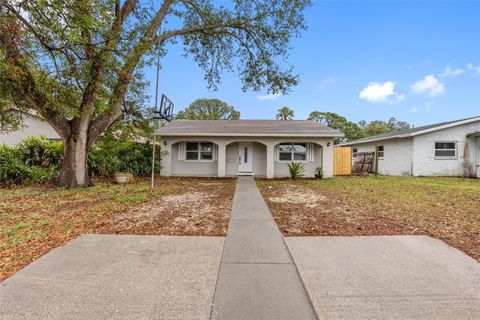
257 277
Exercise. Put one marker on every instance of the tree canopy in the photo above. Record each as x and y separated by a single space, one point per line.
285 113
79 63
209 109
358 130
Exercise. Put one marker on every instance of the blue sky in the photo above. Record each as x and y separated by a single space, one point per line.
417 61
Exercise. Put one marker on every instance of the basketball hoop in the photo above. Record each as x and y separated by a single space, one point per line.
164 112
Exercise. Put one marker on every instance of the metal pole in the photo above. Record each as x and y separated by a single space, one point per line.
156 121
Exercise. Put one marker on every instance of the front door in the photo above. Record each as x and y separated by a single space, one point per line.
245 157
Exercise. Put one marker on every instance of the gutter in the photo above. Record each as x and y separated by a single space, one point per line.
328 135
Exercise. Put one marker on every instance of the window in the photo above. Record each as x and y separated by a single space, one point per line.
292 151
445 149
199 151
380 152
354 153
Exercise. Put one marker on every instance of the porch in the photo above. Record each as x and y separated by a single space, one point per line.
222 157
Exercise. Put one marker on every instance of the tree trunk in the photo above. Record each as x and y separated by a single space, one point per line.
74 171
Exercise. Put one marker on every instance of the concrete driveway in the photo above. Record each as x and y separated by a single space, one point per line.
387 277
117 277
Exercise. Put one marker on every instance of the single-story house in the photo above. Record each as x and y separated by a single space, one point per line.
32 125
443 149
264 148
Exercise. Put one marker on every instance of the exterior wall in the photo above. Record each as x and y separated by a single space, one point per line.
416 156
263 157
424 161
477 163
397 159
32 126
259 159
232 159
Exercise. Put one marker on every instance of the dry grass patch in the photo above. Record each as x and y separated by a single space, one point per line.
444 208
35 219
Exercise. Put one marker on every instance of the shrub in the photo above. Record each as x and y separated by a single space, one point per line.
41 152
296 170
37 159
110 156
12 170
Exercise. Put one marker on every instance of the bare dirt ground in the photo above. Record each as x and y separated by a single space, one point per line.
36 219
444 208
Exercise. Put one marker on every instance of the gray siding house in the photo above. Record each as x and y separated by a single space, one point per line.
443 149
264 148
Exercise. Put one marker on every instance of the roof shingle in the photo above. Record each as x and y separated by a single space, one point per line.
247 127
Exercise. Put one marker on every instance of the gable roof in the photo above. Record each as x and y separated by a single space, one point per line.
413 131
259 128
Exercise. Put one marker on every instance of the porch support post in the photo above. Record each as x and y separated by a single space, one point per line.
327 158
270 160
221 159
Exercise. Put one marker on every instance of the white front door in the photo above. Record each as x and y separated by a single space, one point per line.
245 157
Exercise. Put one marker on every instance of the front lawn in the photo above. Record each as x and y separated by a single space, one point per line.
35 219
444 208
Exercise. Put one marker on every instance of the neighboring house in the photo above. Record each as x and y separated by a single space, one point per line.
32 125
262 148
444 149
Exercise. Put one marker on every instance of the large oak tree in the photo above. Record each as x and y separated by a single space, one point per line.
78 63
209 109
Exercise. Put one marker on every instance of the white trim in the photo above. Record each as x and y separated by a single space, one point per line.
181 151
310 152
408 135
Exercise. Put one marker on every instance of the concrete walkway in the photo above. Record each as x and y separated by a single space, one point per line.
257 277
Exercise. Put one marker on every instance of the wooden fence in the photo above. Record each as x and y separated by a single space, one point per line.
342 161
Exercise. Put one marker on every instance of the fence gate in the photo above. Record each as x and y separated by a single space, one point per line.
342 164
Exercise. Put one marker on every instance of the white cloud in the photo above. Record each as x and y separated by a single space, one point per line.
414 109
400 97
270 96
325 82
447 72
377 92
428 85
473 68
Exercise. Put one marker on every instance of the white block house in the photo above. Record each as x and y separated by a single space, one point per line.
444 149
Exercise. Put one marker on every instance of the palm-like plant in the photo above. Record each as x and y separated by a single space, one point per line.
296 170
285 113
